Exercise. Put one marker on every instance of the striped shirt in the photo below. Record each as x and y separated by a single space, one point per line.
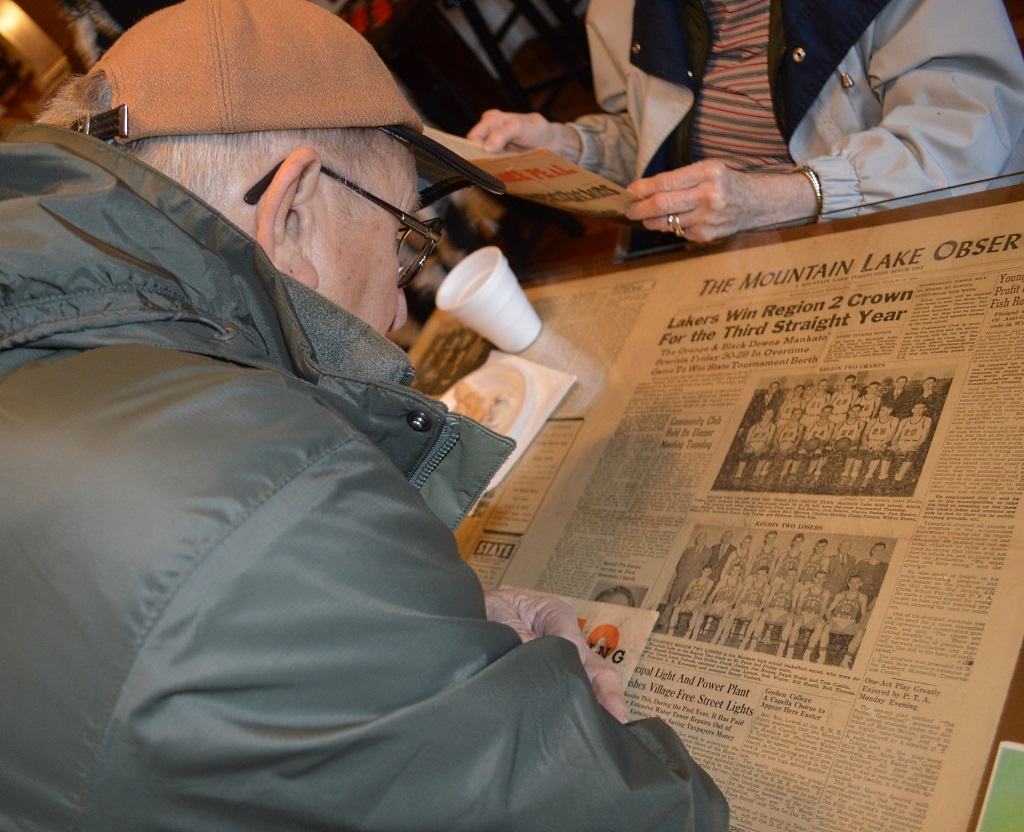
734 120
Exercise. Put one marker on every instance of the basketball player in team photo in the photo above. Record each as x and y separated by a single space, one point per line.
857 433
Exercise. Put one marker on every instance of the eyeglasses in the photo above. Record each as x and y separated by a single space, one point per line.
413 242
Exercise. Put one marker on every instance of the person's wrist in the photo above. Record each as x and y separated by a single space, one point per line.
815 181
568 143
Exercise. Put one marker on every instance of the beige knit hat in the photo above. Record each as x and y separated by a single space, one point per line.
235 66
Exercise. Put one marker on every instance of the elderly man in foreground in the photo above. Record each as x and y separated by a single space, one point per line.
230 596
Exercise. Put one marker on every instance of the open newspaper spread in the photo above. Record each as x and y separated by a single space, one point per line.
807 457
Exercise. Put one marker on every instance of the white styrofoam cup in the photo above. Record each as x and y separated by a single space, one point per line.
483 292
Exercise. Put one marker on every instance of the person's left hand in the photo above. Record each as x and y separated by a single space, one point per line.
532 616
712 201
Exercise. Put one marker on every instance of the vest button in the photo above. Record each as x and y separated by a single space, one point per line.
419 422
799 55
635 48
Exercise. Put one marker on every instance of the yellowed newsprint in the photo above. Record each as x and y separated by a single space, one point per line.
807 458
545 177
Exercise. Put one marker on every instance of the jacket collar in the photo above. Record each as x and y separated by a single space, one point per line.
150 253
98 249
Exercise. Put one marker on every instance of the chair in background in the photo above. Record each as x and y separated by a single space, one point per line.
565 60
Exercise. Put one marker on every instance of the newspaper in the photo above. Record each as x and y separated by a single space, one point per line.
545 177
807 458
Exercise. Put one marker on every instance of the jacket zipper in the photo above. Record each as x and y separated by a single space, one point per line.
445 442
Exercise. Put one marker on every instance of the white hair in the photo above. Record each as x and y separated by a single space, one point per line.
208 164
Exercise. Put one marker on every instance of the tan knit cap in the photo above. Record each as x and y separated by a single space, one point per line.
235 66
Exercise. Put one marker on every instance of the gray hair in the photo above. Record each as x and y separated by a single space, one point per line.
207 164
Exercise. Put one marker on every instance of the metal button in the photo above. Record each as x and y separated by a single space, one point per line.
846 80
418 421
635 48
799 55
689 73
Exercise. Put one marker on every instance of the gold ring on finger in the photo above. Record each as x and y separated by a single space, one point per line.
675 226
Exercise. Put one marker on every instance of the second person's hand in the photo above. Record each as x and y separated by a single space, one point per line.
709 201
498 130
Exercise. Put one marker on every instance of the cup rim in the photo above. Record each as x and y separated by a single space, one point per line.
443 299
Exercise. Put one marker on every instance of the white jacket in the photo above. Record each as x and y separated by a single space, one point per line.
937 100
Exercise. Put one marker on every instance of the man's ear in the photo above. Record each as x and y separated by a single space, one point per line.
284 224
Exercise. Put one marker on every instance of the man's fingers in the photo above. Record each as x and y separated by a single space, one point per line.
537 615
604 679
558 618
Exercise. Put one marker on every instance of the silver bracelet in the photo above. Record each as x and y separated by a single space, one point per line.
816 184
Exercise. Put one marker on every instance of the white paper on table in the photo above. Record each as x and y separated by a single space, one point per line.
511 396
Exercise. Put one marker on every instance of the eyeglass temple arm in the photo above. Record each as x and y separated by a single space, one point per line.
408 220
255 194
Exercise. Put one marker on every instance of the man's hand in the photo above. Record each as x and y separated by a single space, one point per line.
497 130
711 201
532 616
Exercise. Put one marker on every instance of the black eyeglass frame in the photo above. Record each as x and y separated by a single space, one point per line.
429 230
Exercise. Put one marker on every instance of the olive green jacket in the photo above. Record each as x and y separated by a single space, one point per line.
229 594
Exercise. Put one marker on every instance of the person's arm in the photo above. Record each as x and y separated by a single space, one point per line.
717 590
940 102
329 665
926 431
898 433
602 143
937 100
